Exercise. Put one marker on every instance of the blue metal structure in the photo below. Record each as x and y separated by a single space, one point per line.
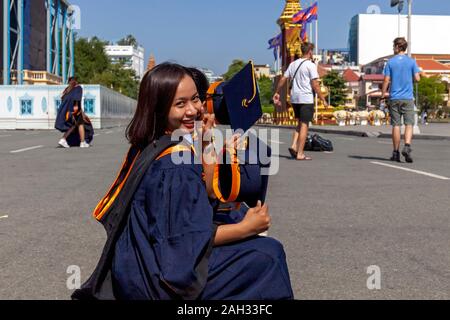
20 20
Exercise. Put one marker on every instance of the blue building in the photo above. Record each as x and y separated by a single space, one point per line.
37 41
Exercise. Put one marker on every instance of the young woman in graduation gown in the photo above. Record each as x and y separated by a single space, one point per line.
170 247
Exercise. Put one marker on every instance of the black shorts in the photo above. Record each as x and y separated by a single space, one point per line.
304 112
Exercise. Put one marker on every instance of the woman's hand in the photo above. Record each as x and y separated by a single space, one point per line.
257 220
208 123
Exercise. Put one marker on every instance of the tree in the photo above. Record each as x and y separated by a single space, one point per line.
93 66
119 79
336 83
265 90
234 68
129 40
431 91
90 58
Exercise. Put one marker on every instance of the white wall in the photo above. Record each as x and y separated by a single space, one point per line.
430 35
107 105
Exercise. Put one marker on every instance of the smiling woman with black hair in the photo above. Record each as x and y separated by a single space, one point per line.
170 247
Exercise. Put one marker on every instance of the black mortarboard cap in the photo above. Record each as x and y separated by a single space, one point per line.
237 102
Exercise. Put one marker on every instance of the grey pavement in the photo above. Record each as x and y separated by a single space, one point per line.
432 131
336 215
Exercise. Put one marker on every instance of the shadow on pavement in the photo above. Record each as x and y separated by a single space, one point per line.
369 158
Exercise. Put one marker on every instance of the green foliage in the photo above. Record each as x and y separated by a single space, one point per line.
265 90
129 40
268 109
338 89
234 68
119 79
430 92
90 58
92 66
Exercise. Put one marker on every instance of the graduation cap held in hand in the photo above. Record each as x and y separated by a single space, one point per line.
242 175
236 102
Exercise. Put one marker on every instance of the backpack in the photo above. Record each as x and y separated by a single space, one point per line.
321 144
308 143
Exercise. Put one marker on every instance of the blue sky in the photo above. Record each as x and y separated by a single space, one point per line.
211 33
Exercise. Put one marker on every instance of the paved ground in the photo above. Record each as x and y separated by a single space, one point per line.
336 216
432 131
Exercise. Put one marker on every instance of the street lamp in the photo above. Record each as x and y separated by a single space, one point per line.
399 4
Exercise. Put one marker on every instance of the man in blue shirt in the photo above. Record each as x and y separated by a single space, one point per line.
400 72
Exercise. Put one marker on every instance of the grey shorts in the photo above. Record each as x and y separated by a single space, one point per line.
399 109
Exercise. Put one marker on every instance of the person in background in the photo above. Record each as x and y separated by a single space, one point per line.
70 115
400 72
304 77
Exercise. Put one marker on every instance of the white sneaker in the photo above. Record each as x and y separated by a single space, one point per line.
84 145
63 143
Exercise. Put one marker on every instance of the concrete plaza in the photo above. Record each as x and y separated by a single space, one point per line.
336 215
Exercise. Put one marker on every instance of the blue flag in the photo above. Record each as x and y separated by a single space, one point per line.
275 42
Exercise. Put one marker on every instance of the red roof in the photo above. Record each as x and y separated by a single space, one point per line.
373 77
432 65
350 76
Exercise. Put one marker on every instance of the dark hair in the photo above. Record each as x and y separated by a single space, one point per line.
201 82
401 43
307 47
69 87
156 93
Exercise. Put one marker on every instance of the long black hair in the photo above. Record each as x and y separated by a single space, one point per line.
156 94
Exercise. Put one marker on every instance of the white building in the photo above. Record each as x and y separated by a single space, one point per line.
131 57
372 35
263 70
36 107
210 75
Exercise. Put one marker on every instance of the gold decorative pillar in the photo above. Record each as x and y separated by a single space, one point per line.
291 41
290 49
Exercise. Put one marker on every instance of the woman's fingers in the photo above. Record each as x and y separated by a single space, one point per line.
208 121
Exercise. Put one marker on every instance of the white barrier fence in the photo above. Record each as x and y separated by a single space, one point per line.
35 106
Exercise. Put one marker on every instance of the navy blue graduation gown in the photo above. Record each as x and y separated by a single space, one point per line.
64 120
166 248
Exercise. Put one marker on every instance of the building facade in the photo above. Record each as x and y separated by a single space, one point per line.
263 70
429 64
131 57
37 41
371 35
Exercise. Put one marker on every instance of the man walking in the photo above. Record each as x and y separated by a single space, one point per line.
400 72
304 77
